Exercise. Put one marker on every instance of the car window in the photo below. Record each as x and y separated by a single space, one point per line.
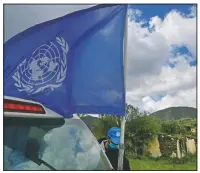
68 147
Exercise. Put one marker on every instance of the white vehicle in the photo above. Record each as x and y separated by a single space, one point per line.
36 138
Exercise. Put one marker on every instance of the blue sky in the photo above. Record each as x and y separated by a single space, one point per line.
162 10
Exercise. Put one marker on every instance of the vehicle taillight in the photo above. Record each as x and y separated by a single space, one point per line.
24 107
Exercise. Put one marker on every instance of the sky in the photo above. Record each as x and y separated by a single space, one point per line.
161 49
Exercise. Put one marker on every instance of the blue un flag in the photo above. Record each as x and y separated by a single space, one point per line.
72 64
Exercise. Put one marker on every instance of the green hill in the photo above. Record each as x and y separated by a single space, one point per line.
176 113
172 113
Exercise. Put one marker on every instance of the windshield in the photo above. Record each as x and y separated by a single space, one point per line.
66 145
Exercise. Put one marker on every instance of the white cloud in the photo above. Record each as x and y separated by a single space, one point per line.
178 29
149 52
134 13
146 52
193 11
181 98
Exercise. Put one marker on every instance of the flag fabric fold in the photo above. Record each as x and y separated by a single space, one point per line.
72 64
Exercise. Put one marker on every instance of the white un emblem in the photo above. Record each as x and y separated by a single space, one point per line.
46 69
118 134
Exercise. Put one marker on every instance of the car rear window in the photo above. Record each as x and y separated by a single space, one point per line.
70 146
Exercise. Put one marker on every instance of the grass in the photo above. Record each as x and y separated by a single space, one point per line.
160 164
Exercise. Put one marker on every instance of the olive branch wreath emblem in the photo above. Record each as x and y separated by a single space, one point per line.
23 86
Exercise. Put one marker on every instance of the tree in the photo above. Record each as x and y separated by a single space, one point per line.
105 122
146 124
173 127
139 132
134 112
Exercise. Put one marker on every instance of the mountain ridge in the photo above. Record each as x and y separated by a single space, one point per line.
175 113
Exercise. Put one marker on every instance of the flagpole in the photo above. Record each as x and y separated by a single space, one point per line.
123 120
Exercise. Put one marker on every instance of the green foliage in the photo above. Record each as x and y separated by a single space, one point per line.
141 128
139 132
189 158
188 122
101 126
105 122
133 112
160 164
173 127
144 125
179 128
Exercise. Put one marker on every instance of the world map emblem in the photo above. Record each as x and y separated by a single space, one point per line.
45 69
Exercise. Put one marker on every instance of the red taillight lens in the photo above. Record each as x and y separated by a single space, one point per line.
24 107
